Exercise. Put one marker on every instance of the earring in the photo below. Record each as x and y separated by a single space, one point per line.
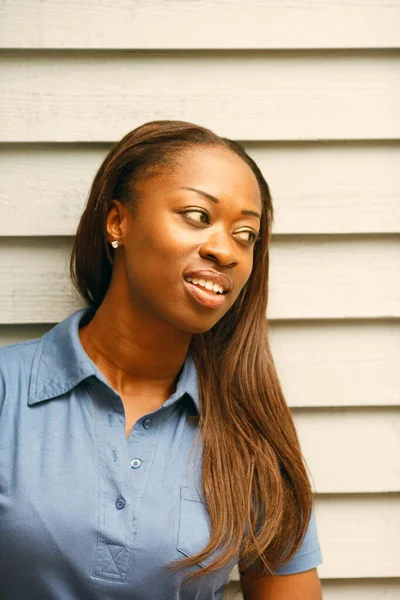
115 244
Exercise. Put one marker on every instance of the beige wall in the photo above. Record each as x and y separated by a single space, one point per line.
312 88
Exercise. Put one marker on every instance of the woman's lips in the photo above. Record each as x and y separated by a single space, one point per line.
203 296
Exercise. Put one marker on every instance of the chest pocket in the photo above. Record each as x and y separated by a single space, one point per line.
194 525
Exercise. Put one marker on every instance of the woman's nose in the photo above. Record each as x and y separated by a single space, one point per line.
220 247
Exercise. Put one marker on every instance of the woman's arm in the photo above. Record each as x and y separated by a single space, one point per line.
299 586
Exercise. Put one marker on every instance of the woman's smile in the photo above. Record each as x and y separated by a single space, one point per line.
202 295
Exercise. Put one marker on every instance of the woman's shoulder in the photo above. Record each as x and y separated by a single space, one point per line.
16 362
12 354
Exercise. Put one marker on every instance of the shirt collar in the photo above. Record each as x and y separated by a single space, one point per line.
60 364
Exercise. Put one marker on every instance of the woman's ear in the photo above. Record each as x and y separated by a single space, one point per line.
116 222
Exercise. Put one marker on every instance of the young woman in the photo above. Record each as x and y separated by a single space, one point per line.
146 447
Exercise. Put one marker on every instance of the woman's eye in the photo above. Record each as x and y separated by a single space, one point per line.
203 218
252 236
198 216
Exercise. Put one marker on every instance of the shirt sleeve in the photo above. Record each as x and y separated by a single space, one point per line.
309 555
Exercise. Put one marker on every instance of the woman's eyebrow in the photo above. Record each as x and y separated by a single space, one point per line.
214 199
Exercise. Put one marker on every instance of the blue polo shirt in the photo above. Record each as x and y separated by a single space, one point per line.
86 514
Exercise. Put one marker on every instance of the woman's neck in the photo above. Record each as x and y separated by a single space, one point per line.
134 354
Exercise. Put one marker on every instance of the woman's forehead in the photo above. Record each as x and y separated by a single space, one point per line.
217 171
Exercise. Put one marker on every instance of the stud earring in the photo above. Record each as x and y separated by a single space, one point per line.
115 244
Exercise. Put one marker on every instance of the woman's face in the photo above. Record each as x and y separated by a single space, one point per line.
180 233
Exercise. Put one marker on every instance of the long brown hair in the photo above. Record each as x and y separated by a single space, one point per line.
254 476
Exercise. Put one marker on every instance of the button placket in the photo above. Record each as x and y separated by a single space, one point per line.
115 489
141 449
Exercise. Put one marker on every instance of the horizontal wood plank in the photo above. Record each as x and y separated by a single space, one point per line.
349 450
309 278
338 363
200 24
342 589
320 363
316 187
327 277
99 96
358 536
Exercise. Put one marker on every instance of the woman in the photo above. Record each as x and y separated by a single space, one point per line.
146 445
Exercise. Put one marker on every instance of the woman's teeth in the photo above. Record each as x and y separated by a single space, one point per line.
209 285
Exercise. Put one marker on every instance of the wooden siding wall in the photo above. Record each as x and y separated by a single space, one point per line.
312 89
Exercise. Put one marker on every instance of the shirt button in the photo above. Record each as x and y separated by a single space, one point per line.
147 423
120 503
135 463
